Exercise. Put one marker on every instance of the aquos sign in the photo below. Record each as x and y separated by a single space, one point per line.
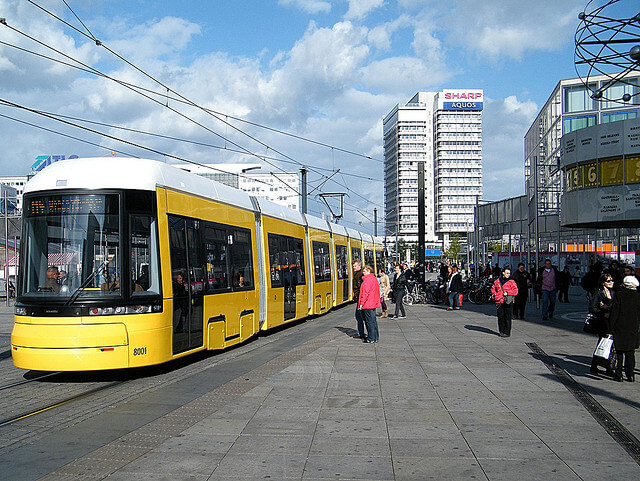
462 99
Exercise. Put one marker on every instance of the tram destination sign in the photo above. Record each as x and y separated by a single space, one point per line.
64 204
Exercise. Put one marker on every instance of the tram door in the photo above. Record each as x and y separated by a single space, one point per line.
187 274
288 264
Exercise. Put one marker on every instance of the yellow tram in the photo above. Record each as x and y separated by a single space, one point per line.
132 262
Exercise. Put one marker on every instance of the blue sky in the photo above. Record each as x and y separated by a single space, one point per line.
324 70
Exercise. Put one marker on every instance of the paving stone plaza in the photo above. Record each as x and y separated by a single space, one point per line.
441 396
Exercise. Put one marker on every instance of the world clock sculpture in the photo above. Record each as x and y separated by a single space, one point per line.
609 46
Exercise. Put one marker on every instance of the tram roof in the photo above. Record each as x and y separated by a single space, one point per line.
354 234
317 223
95 173
131 173
338 229
278 211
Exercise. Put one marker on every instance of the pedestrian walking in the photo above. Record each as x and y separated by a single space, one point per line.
385 289
399 289
625 321
504 290
600 307
564 281
547 282
523 280
454 288
368 302
357 282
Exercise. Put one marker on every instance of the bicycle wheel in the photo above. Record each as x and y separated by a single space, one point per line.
407 299
484 296
471 297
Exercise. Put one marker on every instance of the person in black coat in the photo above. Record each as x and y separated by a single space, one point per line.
625 321
600 307
399 288
523 281
564 281
455 288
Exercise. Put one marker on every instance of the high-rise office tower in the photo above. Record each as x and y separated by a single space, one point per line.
443 130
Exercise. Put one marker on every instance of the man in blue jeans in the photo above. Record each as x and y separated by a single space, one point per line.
547 282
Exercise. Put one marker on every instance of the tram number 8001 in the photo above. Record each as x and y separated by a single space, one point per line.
139 351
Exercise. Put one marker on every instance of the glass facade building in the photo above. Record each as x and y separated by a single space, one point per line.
568 108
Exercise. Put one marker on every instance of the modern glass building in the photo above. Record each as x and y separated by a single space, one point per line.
443 131
569 108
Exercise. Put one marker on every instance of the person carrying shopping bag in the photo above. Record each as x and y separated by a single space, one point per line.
504 291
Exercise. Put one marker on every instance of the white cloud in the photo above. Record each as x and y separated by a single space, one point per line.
380 35
508 28
308 6
404 75
154 39
359 9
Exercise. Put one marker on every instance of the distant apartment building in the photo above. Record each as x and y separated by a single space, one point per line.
280 188
16 182
442 130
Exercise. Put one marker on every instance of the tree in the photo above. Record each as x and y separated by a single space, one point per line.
453 252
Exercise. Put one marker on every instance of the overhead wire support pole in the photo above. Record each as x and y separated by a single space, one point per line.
303 194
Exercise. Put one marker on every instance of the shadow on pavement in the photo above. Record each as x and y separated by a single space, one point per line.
471 327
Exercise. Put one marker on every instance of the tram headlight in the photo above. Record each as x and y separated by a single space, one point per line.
20 311
140 309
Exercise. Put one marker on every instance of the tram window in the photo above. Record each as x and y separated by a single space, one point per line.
321 261
341 262
368 257
355 254
380 261
217 268
299 259
78 234
274 260
241 260
144 256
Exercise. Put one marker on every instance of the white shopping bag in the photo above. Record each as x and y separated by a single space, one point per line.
603 349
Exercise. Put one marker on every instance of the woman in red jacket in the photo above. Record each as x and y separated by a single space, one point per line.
504 290
368 302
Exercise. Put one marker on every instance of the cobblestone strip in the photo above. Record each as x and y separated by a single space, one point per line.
109 458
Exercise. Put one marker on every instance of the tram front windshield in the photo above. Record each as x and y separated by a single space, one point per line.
73 248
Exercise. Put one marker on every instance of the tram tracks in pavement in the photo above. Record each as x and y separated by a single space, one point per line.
58 403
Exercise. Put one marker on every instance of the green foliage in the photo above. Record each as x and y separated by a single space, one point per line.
453 252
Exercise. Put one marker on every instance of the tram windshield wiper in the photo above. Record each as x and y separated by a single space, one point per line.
86 282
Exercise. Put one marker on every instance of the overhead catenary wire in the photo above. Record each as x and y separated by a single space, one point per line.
188 141
133 144
184 100
135 88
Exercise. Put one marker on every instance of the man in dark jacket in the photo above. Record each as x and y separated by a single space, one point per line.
624 321
523 281
357 282
547 282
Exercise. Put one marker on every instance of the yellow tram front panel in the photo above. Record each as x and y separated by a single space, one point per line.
286 261
322 280
91 342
